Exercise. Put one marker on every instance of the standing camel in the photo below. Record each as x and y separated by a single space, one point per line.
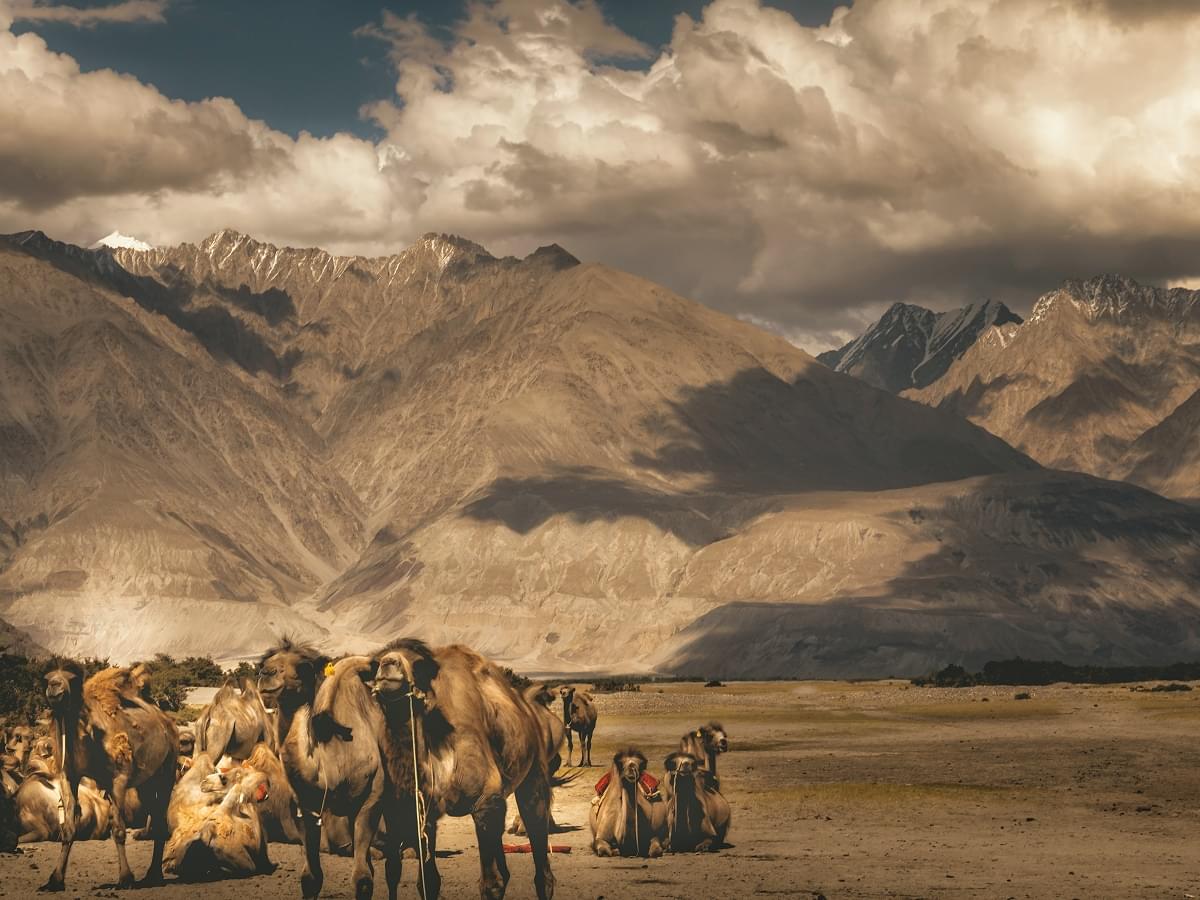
104 730
579 716
541 701
234 723
330 770
706 743
477 741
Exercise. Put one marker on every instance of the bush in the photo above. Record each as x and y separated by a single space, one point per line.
1022 696
243 670
714 683
613 686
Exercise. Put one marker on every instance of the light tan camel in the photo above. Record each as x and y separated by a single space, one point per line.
329 771
627 817
20 744
706 743
477 741
222 838
10 775
541 699
234 723
579 716
697 814
104 730
40 808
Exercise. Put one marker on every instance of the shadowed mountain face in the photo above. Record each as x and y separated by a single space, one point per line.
1102 379
525 455
911 346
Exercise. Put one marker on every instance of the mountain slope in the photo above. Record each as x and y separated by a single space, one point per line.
911 346
1087 381
565 465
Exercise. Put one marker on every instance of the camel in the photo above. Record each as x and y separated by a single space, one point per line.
541 701
329 772
234 723
477 741
8 823
40 808
225 837
104 730
20 744
706 743
579 716
627 817
697 815
10 775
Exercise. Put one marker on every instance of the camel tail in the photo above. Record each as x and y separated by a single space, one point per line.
557 781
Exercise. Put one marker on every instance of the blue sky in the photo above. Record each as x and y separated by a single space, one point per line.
297 64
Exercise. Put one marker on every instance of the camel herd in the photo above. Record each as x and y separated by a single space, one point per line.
359 756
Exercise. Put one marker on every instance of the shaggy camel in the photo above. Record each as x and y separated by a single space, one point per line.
40 809
104 730
627 817
697 815
579 716
216 827
329 772
541 701
278 811
234 723
477 741
706 743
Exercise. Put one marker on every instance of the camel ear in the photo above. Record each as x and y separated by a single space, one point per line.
368 672
669 763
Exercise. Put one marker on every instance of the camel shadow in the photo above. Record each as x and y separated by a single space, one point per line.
559 828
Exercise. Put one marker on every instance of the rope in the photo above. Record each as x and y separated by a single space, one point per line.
418 799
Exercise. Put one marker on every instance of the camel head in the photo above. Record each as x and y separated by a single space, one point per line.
20 741
714 738
681 767
43 748
404 667
630 764
541 694
288 674
187 741
64 684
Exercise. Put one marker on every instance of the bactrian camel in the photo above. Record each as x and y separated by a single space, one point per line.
697 815
627 817
579 717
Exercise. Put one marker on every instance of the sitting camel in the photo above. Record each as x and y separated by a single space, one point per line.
222 838
234 723
104 730
20 744
628 817
705 743
541 700
697 815
477 741
41 810
329 772
579 716
10 775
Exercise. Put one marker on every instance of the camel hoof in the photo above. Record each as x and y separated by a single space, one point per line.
53 886
363 889
125 882
310 887
152 881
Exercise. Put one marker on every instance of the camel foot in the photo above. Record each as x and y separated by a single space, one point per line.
310 886
363 889
602 849
656 850
53 886
125 882
152 879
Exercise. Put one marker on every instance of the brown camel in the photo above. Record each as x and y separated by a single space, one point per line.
20 744
104 730
627 817
477 741
329 772
222 838
541 700
579 716
40 809
697 815
706 743
234 723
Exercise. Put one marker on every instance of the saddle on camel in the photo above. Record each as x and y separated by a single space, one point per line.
648 783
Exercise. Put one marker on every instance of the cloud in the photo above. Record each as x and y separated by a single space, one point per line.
129 11
800 177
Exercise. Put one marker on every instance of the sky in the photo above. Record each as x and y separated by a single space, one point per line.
798 163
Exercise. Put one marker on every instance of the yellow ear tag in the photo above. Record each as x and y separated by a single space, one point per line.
328 670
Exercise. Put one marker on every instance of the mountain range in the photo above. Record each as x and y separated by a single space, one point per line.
564 465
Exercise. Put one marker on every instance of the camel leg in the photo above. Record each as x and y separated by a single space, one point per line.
312 876
124 873
585 746
366 826
571 745
158 797
431 878
393 861
57 880
533 800
489 831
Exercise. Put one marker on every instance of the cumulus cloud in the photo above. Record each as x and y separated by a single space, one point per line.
800 177
130 11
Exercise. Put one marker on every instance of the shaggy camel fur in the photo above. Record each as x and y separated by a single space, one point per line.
706 743
234 723
626 819
478 741
579 716
697 815
329 771
222 838
541 700
104 730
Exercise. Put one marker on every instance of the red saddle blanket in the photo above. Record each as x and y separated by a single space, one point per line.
649 783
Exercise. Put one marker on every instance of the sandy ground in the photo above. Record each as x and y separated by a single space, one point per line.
849 791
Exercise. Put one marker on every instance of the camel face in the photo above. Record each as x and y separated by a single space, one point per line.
285 679
404 669
187 742
59 684
631 765
682 765
717 739
20 741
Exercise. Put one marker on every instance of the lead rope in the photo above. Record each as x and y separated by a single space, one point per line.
62 779
418 799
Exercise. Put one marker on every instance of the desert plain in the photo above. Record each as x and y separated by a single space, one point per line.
843 790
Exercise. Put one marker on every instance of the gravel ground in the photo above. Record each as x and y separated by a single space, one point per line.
861 790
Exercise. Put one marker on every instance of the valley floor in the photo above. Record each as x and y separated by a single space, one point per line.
848 791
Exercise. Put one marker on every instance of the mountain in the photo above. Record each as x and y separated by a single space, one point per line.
115 240
911 346
13 640
562 464
1102 379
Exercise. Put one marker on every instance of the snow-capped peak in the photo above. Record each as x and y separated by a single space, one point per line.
116 240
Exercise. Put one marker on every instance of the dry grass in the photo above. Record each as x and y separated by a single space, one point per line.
974 712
